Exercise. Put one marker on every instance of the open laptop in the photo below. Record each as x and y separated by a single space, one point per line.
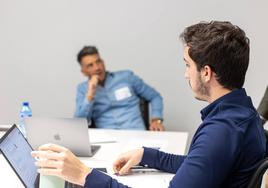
71 133
17 152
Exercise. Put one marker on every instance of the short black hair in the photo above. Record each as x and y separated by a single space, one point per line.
223 47
86 50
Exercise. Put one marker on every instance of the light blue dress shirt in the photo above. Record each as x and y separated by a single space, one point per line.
116 104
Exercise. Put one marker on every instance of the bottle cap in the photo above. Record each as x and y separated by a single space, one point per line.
25 103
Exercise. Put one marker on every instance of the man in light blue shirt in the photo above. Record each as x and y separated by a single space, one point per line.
112 99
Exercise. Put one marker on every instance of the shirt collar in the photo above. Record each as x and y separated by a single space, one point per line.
108 75
233 94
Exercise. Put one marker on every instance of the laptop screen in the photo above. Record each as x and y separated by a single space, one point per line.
17 151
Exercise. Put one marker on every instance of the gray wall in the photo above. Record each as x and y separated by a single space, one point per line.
39 41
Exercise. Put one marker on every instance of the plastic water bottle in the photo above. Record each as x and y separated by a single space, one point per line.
24 113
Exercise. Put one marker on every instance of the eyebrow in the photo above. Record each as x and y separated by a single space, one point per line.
99 59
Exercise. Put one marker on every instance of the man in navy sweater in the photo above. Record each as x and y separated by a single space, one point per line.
228 144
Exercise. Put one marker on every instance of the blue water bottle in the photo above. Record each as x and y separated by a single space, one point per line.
24 113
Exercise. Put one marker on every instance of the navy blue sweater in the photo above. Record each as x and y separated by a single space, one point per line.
224 151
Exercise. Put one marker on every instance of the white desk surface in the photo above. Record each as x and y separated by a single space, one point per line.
116 142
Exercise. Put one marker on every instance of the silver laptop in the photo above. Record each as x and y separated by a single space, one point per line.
71 133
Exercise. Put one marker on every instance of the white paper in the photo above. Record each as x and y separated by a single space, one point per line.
101 137
149 179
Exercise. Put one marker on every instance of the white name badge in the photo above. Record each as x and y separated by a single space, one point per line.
122 93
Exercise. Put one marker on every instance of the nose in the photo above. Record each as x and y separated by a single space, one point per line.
186 75
96 67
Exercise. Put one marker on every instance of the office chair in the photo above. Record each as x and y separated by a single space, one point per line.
263 107
256 179
144 107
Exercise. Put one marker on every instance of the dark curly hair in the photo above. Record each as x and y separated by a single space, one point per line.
222 46
86 50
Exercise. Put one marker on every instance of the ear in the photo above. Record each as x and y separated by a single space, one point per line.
206 73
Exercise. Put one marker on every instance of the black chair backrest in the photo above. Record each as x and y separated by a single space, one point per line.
256 179
144 107
263 106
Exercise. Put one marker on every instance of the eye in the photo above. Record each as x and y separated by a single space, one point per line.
89 66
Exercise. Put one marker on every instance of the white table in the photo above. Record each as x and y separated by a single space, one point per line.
114 143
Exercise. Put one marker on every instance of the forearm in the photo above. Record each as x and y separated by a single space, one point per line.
84 109
101 180
156 107
148 93
162 161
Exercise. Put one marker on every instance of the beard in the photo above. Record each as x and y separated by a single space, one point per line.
202 90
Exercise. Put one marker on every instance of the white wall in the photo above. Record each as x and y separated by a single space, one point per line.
39 41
